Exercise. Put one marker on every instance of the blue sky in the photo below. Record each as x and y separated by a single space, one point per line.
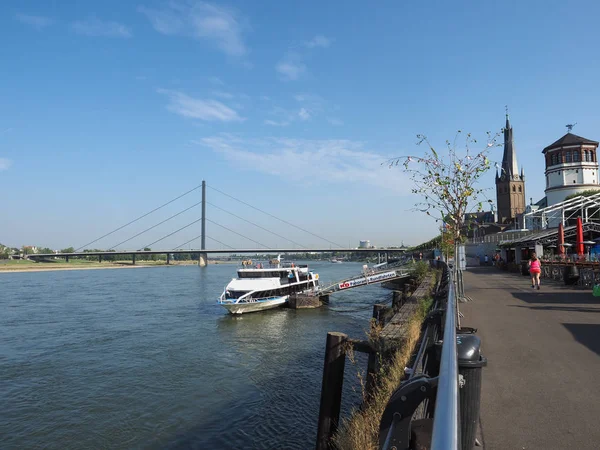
108 109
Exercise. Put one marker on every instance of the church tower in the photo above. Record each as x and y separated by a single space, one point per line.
510 185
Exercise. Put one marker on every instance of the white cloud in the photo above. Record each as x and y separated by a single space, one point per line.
310 161
303 114
335 121
200 20
223 94
96 27
274 123
216 80
5 163
203 109
312 101
37 22
319 41
291 67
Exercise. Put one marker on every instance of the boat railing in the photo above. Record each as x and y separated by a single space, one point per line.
267 265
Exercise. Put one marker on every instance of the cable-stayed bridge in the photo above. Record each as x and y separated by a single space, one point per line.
257 247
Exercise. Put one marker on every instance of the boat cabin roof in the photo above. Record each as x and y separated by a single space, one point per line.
272 272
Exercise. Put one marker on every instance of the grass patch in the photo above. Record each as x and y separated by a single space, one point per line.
361 430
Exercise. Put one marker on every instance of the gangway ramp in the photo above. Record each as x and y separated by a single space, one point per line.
368 277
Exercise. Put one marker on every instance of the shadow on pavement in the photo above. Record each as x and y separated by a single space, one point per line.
587 334
567 297
559 308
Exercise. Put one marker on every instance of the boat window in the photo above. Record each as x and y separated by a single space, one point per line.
259 274
235 294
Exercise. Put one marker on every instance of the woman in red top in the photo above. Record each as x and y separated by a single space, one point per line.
535 269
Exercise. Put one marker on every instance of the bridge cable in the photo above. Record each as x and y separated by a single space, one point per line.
171 234
154 226
235 232
198 237
141 217
275 217
256 225
222 243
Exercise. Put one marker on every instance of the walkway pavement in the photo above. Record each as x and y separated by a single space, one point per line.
541 388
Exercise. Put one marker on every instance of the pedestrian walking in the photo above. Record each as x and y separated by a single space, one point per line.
535 270
486 260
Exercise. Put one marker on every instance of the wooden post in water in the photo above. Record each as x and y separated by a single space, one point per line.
373 361
405 290
331 390
396 300
378 312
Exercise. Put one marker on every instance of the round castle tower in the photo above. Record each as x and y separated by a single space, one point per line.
571 167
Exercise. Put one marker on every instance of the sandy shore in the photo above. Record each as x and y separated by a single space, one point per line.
49 267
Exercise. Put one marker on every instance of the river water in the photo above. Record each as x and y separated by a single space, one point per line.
145 358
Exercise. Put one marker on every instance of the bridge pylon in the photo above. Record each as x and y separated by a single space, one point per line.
203 257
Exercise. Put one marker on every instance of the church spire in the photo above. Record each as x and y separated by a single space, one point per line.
509 159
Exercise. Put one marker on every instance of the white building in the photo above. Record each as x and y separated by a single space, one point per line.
571 167
364 244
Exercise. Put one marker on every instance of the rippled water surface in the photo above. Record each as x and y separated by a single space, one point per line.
145 358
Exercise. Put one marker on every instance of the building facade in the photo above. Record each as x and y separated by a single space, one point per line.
571 167
510 184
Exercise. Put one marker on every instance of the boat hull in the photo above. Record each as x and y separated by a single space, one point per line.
261 305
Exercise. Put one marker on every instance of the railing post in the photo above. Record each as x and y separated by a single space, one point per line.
331 389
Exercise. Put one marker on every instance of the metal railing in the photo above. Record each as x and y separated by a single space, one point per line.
431 390
446 424
499 237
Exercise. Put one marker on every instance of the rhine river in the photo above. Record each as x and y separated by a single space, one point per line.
145 358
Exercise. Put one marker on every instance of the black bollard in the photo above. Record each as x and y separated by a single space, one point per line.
470 365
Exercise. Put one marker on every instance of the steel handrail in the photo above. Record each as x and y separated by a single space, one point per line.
446 424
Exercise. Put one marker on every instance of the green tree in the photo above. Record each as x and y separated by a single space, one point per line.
587 193
448 185
68 250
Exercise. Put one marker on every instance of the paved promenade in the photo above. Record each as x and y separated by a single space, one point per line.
541 388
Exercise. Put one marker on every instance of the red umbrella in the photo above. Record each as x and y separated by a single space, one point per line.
561 240
579 239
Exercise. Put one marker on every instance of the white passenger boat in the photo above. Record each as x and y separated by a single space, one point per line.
266 285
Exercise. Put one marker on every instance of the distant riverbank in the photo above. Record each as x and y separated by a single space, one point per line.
14 266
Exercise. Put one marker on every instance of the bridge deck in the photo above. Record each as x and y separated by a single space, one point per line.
540 389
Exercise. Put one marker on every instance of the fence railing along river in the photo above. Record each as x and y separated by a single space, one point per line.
436 405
